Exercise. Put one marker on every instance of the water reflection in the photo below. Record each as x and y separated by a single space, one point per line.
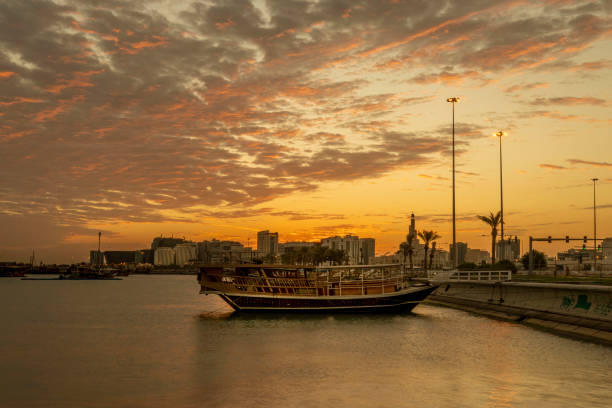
154 342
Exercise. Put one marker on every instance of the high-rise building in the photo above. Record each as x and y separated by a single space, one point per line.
508 249
165 242
267 243
293 246
164 256
96 257
367 247
477 256
186 253
349 244
462 249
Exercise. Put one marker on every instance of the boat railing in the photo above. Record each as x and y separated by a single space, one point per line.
320 285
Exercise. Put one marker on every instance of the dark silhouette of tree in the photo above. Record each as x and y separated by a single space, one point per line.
467 266
431 255
493 221
335 256
505 265
313 255
407 249
269 259
404 252
427 237
539 260
303 255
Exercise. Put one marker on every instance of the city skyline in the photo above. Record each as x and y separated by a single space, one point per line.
225 119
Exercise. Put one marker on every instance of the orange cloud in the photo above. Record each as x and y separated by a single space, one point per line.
554 115
570 100
79 80
445 77
591 163
593 66
79 171
427 176
390 64
6 74
419 34
314 25
63 106
15 135
552 166
147 44
21 100
225 24
503 54
77 26
533 85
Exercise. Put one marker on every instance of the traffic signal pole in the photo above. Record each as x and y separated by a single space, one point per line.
550 239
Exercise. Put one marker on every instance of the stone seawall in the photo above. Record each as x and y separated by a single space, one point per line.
583 311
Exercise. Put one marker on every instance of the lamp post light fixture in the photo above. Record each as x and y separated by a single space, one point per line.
594 226
455 257
501 186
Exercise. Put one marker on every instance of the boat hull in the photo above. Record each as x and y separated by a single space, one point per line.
401 301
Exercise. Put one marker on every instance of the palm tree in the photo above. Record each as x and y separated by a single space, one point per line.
427 237
404 252
493 221
407 249
431 255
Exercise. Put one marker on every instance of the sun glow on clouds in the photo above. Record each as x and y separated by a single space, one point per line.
219 120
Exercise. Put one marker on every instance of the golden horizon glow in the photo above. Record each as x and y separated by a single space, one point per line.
218 121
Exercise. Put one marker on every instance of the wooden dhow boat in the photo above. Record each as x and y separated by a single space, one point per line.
290 288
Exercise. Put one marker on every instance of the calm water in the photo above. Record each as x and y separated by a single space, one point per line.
152 341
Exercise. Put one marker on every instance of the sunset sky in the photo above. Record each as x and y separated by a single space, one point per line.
311 118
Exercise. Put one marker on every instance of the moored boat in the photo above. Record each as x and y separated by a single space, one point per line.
289 288
85 271
10 270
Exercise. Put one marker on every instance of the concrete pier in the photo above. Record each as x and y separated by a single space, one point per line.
583 311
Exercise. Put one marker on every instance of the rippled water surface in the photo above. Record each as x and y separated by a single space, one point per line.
152 341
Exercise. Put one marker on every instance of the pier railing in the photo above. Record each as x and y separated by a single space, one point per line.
478 275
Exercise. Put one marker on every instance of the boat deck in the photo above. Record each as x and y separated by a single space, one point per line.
351 280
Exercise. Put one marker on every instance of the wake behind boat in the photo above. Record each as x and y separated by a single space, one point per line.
289 288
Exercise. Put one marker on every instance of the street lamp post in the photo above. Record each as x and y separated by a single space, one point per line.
455 257
594 227
501 189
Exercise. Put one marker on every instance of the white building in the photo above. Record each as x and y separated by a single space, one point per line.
164 256
509 248
186 253
349 244
224 252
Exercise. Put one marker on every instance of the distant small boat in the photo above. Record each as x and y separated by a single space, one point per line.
13 270
88 272
289 288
